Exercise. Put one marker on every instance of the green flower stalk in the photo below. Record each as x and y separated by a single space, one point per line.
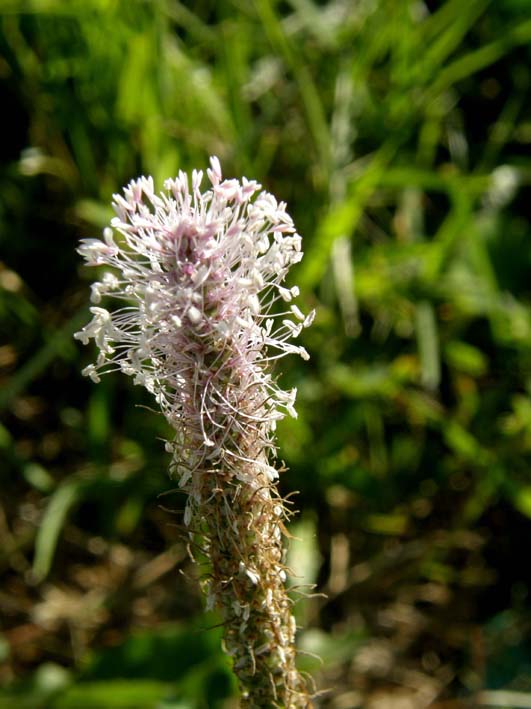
197 274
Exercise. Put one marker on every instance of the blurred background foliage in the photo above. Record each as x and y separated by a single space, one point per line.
398 132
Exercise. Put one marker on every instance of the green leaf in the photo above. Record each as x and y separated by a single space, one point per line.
465 358
428 341
522 500
53 520
114 694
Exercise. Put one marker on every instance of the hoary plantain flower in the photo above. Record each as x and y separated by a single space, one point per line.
203 317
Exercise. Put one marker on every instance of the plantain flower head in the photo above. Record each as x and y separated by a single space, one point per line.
198 275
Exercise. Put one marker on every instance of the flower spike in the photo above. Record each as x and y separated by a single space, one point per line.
198 275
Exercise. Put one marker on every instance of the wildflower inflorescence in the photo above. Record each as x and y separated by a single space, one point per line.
199 275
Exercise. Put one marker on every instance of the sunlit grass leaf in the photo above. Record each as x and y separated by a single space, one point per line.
428 343
303 554
465 358
52 523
